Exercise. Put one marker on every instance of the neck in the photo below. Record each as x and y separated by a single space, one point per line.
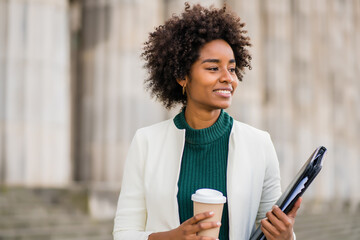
200 118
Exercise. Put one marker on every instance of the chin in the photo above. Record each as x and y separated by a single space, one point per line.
223 106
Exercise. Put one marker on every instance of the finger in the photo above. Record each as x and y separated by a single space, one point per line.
269 227
265 228
206 225
198 217
205 238
279 219
296 207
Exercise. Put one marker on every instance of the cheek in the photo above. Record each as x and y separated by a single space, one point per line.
235 84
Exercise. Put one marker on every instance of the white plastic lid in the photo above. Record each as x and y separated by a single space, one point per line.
206 195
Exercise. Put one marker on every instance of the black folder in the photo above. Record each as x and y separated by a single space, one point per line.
298 186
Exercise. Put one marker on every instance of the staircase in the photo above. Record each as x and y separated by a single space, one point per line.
49 214
62 214
332 225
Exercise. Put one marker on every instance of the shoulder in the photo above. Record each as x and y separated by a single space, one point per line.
247 130
156 130
148 137
157 127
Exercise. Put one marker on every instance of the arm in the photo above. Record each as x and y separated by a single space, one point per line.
271 190
131 211
276 225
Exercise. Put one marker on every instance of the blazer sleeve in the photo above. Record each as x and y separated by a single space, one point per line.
271 190
131 213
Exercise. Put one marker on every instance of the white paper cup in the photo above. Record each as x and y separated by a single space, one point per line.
205 200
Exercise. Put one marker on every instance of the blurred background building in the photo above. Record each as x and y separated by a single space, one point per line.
72 95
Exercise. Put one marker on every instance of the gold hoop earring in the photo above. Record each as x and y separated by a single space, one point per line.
183 89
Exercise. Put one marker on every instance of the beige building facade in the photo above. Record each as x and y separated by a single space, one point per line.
72 95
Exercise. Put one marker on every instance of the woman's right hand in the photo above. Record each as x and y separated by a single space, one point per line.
188 229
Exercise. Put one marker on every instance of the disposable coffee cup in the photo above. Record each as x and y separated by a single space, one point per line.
206 200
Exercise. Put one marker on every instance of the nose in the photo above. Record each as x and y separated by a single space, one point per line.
226 76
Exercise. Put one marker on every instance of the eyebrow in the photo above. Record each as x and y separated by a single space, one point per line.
212 60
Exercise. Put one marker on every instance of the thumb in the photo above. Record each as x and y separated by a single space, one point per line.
296 207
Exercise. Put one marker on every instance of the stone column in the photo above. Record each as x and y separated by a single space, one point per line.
356 72
342 74
36 100
303 84
278 81
3 34
314 93
113 103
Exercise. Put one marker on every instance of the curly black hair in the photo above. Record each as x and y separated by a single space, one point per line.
173 47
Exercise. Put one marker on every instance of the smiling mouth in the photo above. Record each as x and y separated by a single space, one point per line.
223 91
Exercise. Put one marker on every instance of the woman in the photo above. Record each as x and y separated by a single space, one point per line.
197 60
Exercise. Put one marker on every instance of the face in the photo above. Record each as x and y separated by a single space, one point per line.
212 80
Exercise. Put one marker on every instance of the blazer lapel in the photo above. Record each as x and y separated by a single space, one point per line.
174 149
238 185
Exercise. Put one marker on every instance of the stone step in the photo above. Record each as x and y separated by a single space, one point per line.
51 214
100 229
100 237
48 197
21 208
27 221
330 226
325 220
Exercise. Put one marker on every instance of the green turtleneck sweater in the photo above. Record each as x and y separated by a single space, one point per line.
204 164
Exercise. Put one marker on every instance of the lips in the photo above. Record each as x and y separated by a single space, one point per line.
224 92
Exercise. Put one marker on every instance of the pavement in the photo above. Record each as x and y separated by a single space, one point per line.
27 214
328 226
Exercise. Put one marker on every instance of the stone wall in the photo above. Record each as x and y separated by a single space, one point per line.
303 87
34 93
113 103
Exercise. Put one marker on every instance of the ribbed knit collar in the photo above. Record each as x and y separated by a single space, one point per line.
222 126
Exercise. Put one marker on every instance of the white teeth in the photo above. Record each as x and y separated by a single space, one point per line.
223 91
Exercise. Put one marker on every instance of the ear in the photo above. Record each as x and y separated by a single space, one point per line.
183 81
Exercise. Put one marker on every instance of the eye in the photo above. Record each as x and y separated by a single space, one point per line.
212 68
232 70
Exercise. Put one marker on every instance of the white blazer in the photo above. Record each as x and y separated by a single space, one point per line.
148 197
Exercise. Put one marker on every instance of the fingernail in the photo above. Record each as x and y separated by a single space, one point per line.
274 207
218 223
211 213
